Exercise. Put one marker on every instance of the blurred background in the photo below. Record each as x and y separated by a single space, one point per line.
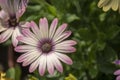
96 32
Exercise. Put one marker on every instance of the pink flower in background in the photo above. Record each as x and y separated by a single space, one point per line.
117 73
44 47
11 11
117 62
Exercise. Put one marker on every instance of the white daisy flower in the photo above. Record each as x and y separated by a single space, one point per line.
44 48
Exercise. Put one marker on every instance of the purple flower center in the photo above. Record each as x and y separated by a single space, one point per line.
46 45
13 22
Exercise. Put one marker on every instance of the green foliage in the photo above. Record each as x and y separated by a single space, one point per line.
95 31
14 73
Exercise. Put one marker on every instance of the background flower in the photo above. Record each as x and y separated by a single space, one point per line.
11 11
107 4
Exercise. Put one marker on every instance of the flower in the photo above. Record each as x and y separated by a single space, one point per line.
43 48
70 77
117 72
117 62
107 4
11 11
3 76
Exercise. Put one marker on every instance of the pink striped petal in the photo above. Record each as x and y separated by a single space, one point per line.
24 56
14 36
4 4
35 29
29 60
50 65
27 40
34 65
62 36
25 24
53 27
28 55
117 72
42 64
64 58
67 43
60 30
24 48
57 64
3 15
28 33
118 78
43 24
6 35
64 49
21 8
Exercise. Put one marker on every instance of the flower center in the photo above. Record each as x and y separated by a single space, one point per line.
13 21
46 47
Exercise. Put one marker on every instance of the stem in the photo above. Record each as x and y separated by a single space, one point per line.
11 62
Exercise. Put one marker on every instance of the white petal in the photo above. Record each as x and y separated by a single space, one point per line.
32 58
53 27
28 33
43 24
60 30
25 48
34 65
6 35
14 36
57 63
42 64
27 40
64 58
50 65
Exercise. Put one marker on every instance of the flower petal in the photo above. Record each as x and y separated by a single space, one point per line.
53 27
28 33
42 64
63 36
14 36
35 29
21 8
27 40
60 30
57 64
3 15
64 58
117 72
6 35
115 4
34 65
32 58
24 48
118 78
50 65
64 49
117 62
43 24
67 43
27 55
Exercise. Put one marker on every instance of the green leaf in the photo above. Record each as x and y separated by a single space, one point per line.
105 59
113 31
14 73
71 17
11 73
